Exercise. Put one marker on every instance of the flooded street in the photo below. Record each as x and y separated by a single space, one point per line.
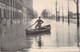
39 26
62 35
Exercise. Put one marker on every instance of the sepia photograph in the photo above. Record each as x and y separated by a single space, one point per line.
39 25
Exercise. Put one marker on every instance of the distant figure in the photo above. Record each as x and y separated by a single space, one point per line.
39 22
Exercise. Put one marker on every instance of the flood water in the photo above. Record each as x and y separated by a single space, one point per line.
62 35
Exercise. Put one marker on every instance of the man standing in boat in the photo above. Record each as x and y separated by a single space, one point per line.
39 23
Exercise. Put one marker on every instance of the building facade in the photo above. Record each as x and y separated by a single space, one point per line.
15 10
74 16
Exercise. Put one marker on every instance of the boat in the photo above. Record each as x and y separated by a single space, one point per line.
43 29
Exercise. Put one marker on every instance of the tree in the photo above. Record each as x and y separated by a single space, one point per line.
35 14
77 9
45 13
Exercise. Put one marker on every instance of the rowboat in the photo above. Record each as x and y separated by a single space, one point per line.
45 29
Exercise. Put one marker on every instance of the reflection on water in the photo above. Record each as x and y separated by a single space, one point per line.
39 42
38 39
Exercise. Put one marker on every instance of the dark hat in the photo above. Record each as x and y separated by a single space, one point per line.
39 17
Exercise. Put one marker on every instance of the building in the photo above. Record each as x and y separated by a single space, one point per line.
74 16
15 10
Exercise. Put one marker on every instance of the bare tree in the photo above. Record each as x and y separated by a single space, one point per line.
77 9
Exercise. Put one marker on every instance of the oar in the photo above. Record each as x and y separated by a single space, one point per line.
31 26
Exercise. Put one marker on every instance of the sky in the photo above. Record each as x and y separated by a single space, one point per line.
40 5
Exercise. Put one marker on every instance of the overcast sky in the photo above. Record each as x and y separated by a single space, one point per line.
39 5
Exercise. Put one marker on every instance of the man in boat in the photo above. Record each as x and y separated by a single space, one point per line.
39 23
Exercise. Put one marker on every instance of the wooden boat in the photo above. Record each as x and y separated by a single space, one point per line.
46 28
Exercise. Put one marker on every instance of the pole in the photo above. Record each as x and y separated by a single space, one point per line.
77 13
68 14
78 21
68 26
62 13
56 10
59 12
51 8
